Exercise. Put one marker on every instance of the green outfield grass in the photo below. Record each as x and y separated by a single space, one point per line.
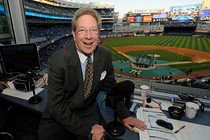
195 43
164 55
194 66
202 44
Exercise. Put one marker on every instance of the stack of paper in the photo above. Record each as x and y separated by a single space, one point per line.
191 131
154 132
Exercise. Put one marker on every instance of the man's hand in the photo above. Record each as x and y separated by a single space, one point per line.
98 132
131 122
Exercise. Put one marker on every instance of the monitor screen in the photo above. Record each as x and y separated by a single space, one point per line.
20 58
185 12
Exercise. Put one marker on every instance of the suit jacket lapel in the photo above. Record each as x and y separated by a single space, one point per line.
75 64
97 68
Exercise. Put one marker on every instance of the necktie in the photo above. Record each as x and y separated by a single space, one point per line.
88 78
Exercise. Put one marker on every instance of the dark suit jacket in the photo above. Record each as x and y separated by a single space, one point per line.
66 111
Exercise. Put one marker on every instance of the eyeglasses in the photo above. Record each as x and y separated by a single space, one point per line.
83 31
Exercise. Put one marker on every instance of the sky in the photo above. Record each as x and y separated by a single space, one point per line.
123 6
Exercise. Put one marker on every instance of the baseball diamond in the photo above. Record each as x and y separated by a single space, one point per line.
176 52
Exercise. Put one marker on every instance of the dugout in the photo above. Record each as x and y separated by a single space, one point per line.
185 31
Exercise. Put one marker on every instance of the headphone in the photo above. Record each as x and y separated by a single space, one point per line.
186 97
149 100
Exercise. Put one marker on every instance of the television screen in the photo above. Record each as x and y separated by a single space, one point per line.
185 12
205 14
160 17
20 58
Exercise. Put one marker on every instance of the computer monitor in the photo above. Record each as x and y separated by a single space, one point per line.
20 58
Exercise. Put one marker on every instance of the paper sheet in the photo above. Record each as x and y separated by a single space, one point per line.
191 131
150 116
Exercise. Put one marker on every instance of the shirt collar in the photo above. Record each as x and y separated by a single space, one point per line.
83 57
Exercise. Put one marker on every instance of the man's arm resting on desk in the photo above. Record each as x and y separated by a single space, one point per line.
133 124
129 121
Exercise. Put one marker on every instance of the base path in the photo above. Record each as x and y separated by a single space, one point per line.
128 57
164 64
197 55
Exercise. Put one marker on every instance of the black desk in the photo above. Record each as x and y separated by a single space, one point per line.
201 118
37 108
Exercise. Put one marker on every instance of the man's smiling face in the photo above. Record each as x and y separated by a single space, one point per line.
87 34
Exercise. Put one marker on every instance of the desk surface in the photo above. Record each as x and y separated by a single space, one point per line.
37 108
190 131
201 117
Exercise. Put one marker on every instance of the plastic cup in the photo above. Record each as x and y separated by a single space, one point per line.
191 109
144 93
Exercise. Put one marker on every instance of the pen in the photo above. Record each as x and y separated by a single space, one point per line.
160 130
157 137
179 129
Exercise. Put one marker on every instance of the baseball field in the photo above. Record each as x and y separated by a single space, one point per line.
179 53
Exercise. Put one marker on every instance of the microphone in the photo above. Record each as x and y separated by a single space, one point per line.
121 92
123 88
149 100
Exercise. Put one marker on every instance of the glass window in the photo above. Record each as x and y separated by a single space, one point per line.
5 23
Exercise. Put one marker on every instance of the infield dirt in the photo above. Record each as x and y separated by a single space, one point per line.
198 56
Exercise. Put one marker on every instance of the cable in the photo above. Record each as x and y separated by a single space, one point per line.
8 134
102 106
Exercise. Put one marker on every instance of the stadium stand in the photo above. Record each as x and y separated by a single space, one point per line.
49 24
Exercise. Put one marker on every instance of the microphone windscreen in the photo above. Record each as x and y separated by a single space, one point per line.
123 88
149 100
